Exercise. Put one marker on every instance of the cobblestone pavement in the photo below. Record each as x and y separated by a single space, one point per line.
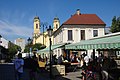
70 76
74 75
7 73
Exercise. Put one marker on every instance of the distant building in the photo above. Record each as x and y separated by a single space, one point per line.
20 42
4 42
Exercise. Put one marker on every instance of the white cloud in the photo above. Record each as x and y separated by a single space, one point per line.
8 29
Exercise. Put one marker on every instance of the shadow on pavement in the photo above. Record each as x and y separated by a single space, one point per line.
43 75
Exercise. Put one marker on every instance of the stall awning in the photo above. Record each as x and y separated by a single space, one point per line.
52 48
98 43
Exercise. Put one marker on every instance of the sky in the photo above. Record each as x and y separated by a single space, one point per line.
16 16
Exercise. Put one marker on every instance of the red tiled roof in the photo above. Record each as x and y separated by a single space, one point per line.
85 19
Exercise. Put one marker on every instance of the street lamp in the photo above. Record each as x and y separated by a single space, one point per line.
50 34
44 25
29 42
0 47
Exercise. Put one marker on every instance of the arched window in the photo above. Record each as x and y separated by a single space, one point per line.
56 26
36 26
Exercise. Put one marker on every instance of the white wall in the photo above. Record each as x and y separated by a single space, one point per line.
76 34
4 43
101 32
20 42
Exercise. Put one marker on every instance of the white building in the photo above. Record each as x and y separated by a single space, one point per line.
77 28
4 43
20 42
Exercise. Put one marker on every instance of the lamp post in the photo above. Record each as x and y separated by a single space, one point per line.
44 25
29 42
0 47
50 34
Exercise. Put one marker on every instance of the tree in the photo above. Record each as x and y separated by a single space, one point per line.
26 50
115 27
36 46
4 52
12 49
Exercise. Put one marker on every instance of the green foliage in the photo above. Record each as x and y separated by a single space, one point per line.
115 27
12 49
34 47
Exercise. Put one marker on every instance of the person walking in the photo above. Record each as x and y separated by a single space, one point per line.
19 62
34 68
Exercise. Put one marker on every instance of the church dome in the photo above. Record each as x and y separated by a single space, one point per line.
36 17
56 18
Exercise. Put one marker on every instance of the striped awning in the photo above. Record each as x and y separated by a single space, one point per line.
97 43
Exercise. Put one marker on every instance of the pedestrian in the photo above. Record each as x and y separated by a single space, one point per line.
84 67
34 68
54 60
19 62
105 68
86 59
60 59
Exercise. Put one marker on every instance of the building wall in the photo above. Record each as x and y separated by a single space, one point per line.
36 30
39 39
56 24
20 42
61 35
4 43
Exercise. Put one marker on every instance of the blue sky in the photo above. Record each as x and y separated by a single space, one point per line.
16 16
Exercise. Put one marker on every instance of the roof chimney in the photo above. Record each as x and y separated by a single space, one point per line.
78 12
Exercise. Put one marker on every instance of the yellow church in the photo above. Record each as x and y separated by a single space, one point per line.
42 37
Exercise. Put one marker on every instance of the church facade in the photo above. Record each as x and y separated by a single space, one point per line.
42 37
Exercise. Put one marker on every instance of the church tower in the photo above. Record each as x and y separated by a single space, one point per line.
36 29
36 25
56 23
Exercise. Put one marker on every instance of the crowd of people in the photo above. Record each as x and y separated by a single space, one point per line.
99 68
